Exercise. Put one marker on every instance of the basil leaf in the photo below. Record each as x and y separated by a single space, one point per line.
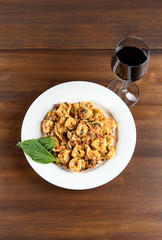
47 142
36 151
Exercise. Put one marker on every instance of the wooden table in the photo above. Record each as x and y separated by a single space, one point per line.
44 43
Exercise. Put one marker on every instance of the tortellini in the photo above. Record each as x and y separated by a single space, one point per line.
63 110
47 126
64 156
70 123
78 151
81 129
83 135
77 164
100 144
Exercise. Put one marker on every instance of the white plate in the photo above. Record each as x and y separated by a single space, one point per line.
108 102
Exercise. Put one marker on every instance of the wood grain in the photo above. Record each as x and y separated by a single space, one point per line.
42 44
82 24
129 207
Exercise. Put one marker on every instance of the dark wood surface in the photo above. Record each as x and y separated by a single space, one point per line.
71 24
72 40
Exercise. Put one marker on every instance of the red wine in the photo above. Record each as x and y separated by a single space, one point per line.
129 63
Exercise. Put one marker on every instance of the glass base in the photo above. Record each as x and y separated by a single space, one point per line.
127 91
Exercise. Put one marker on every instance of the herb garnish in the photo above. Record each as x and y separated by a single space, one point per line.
89 161
39 149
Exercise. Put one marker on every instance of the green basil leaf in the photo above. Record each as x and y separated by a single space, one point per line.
36 151
47 142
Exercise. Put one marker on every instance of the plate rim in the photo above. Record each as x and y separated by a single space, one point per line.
69 83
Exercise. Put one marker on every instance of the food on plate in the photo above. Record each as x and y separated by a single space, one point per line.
83 135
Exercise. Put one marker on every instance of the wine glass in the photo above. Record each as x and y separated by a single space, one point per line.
129 63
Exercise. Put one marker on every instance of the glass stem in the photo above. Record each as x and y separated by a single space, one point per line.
124 88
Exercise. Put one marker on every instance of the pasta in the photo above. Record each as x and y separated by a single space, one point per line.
83 135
